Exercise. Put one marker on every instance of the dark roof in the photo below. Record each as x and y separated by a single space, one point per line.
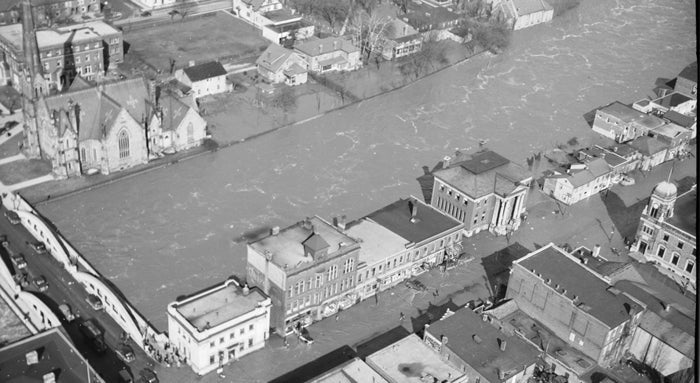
623 150
592 291
690 72
484 161
174 111
429 221
672 100
679 119
56 353
485 356
655 303
648 145
318 366
205 71
685 213
315 242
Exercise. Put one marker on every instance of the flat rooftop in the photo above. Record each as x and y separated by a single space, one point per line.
218 305
428 221
50 37
55 353
628 114
377 242
12 34
485 356
287 249
685 215
99 27
571 276
354 371
409 360
671 130
482 174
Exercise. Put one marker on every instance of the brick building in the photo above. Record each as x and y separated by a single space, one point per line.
484 190
666 235
307 269
575 303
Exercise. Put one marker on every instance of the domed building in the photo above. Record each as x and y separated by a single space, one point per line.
666 235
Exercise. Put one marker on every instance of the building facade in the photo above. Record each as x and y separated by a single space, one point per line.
174 126
580 182
308 270
687 80
622 123
331 54
485 191
666 235
219 325
204 79
281 65
575 303
522 14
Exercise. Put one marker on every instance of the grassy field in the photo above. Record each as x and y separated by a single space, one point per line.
217 37
22 170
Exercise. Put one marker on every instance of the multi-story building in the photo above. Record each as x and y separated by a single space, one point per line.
431 236
307 269
354 370
204 79
580 181
622 123
575 303
687 80
477 348
219 325
47 11
484 190
329 54
383 261
667 233
87 50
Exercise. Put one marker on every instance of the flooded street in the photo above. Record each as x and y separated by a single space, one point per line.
174 231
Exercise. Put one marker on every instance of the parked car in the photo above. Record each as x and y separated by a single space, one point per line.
93 335
148 376
39 247
415 285
125 376
40 283
94 301
4 241
67 313
125 353
19 261
145 13
12 217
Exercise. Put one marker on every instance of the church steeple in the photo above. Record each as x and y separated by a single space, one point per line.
34 85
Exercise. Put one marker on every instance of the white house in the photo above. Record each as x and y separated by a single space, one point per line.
329 54
278 64
219 325
524 13
204 79
581 182
253 11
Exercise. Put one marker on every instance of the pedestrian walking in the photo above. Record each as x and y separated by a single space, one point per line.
401 317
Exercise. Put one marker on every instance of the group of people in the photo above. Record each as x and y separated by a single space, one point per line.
168 355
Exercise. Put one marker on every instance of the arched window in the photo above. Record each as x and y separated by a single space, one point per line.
190 134
123 144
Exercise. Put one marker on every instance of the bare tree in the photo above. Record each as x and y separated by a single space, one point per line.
286 99
371 32
332 11
424 61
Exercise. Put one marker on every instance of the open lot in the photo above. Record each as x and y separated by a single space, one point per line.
219 36
22 170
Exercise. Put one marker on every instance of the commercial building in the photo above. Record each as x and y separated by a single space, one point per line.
580 181
622 123
484 190
432 237
478 349
667 235
354 370
307 269
409 360
48 356
575 303
219 325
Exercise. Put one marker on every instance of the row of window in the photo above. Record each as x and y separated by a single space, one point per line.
232 335
306 285
675 258
213 359
316 298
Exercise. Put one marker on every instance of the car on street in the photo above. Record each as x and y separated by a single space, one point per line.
12 217
145 13
39 247
19 261
67 312
94 301
415 285
4 241
125 353
40 283
125 376
148 376
93 335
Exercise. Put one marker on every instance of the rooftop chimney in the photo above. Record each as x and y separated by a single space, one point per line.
414 210
49 377
340 222
275 230
585 261
446 161
191 63
443 339
32 357
476 339
596 250
246 290
503 344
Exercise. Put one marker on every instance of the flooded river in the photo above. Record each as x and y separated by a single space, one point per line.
174 231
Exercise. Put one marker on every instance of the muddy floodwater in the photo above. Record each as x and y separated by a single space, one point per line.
177 230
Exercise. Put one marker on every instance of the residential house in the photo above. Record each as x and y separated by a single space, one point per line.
524 13
401 40
667 233
85 50
354 370
575 303
630 154
675 137
219 325
687 80
433 237
674 101
580 181
622 123
384 260
49 356
307 269
431 21
618 165
653 151
478 349
688 122
285 28
483 190
174 126
329 54
253 11
278 64
204 79
409 360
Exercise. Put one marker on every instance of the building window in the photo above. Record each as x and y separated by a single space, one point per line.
689 266
243 329
123 144
212 344
82 154
661 251
190 134
251 327
348 266
680 244
232 335
221 340
319 280
332 272
665 237
675 258
648 230
212 359
250 342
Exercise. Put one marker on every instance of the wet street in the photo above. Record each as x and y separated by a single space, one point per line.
174 231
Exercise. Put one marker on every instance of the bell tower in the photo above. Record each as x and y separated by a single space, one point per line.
662 201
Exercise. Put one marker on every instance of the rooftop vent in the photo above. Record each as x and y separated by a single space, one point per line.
246 289
476 339
502 344
275 230
548 281
49 377
32 357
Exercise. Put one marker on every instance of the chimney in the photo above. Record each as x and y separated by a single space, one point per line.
246 290
484 318
335 44
548 281
446 161
584 260
443 339
503 344
275 230
191 63
476 339
596 251
501 374
339 222
575 298
49 377
32 357
667 307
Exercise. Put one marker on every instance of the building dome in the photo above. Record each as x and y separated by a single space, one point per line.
665 190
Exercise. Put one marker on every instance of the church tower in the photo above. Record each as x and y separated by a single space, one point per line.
662 201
